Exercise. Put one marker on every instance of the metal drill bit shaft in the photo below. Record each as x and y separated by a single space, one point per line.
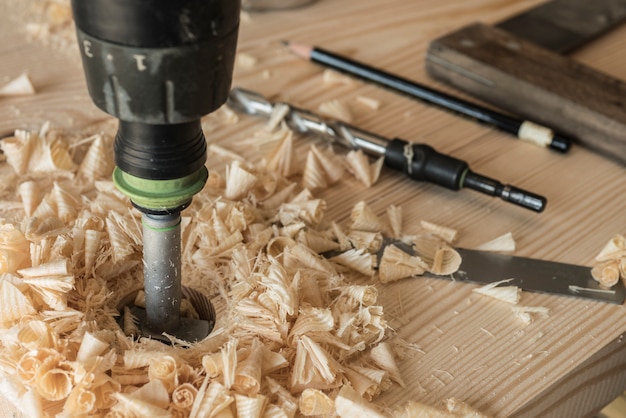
418 161
162 284
162 265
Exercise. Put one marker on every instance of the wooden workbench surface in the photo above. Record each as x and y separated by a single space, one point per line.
570 363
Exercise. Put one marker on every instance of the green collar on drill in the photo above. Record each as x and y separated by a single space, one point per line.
160 194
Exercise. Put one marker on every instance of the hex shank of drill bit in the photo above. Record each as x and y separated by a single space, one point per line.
162 276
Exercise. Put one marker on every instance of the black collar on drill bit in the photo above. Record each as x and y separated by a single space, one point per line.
168 211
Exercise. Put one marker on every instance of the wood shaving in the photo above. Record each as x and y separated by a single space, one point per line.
319 242
245 61
509 294
358 164
396 264
368 382
279 112
321 169
368 102
447 234
607 273
19 86
239 181
394 215
315 402
383 356
98 161
350 404
282 158
336 110
440 258
38 152
331 77
524 312
366 240
358 260
610 263
364 219
459 408
503 243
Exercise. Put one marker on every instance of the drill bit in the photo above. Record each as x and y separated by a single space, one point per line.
162 265
162 254
418 161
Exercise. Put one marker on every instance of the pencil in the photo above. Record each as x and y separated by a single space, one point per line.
522 129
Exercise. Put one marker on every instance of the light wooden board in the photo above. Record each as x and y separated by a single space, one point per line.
569 364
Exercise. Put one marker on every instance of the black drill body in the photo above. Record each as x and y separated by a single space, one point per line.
159 66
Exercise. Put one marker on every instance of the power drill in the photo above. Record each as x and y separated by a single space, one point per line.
159 66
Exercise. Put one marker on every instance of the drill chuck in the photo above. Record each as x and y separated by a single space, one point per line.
158 66
157 61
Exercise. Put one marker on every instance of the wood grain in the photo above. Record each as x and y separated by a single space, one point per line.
470 347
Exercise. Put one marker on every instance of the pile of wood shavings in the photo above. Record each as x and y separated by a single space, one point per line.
294 334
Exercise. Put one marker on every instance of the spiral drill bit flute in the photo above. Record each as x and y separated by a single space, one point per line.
159 66
418 161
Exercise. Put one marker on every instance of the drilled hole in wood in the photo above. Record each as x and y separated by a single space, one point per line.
196 323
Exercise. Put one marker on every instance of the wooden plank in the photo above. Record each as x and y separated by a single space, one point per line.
533 82
563 25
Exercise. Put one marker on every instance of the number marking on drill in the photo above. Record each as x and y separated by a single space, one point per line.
87 48
141 62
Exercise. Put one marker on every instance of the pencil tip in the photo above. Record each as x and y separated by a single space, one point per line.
303 51
284 42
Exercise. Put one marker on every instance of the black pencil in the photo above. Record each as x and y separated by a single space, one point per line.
521 129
